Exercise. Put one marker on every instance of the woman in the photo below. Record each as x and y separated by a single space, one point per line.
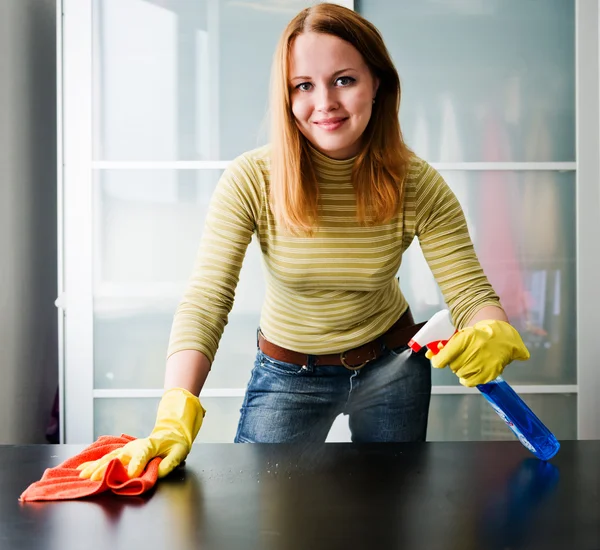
334 201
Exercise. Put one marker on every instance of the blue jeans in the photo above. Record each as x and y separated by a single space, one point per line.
386 401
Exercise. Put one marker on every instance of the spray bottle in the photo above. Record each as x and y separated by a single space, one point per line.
528 428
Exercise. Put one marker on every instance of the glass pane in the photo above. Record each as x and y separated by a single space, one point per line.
148 224
523 227
136 417
185 80
130 347
470 417
485 80
147 230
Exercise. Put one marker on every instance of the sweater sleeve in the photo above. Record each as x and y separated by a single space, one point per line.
442 232
232 216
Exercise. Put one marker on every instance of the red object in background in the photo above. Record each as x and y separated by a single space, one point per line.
496 243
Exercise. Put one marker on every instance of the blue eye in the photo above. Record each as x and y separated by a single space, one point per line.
303 86
345 80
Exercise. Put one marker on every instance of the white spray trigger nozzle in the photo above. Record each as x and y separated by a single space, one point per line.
435 333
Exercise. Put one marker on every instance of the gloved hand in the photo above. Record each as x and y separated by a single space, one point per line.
478 354
178 421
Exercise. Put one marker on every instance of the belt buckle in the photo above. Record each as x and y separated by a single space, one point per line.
355 367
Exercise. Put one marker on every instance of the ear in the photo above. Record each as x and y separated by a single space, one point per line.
375 86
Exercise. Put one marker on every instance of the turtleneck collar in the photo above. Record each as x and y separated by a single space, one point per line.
323 162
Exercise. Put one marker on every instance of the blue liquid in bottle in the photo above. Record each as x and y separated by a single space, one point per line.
528 428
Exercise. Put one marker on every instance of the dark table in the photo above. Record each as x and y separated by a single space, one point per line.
462 496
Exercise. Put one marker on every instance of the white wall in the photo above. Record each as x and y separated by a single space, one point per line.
28 319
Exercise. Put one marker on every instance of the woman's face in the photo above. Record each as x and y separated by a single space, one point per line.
332 92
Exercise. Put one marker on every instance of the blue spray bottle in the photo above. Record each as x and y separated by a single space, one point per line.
528 428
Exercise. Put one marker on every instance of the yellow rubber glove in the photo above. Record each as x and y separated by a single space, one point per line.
478 354
178 421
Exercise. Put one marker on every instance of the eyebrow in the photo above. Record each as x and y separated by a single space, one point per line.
334 74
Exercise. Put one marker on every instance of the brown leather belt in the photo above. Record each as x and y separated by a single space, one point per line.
399 334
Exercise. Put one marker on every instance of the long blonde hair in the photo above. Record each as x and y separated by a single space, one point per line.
382 162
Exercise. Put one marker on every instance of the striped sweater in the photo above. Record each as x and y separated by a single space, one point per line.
336 289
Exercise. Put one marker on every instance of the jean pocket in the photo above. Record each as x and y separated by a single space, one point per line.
279 367
399 350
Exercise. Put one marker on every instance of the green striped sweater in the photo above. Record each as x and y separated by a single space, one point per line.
338 288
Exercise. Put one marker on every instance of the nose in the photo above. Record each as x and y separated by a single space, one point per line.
326 100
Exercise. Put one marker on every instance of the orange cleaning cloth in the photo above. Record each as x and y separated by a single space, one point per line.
63 482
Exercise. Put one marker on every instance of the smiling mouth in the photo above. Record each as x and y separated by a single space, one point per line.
331 123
